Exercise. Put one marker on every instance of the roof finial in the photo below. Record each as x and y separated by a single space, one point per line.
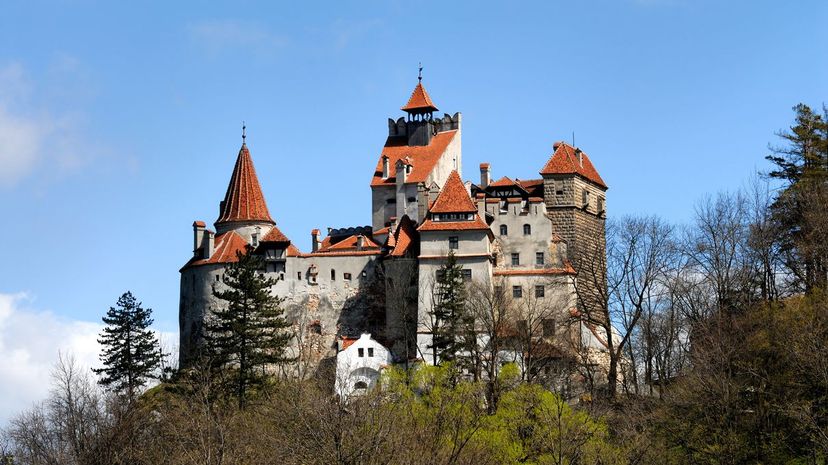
244 133
420 74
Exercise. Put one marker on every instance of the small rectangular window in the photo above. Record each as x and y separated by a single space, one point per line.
538 258
333 275
370 351
347 276
517 292
515 259
454 242
466 275
498 291
540 291
255 240
299 275
412 199
527 229
361 352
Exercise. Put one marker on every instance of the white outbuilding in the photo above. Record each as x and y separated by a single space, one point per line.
359 364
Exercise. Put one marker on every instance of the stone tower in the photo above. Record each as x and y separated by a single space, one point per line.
575 197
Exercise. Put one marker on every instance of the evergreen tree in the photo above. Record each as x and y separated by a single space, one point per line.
448 311
131 353
802 164
248 334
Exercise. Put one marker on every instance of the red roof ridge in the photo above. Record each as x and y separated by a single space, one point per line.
244 200
564 161
419 101
504 181
453 197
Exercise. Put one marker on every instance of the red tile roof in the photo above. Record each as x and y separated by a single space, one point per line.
348 342
293 251
274 235
419 102
476 225
565 161
244 200
224 250
351 243
422 158
199 224
404 238
453 198
504 181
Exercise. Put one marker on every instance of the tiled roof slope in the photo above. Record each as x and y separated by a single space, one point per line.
565 161
404 239
224 250
275 235
244 200
453 198
422 158
419 101
476 225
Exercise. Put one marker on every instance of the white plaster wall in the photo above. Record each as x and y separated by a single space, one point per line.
539 240
351 368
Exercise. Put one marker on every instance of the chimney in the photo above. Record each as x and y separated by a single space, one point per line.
315 242
209 243
198 235
385 167
580 156
485 175
360 242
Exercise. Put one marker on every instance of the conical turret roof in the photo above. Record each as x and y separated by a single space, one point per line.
419 102
244 200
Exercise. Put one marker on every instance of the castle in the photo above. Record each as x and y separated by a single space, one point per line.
524 238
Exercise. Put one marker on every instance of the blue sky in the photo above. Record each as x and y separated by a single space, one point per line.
120 121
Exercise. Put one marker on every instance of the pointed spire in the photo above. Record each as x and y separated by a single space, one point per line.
244 200
244 134
420 101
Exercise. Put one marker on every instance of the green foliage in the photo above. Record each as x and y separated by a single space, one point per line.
131 354
248 335
449 312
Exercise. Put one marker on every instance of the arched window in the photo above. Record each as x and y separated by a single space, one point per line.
527 229
504 230
361 385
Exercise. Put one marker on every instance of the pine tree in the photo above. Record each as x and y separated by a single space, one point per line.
131 353
448 311
248 334
802 164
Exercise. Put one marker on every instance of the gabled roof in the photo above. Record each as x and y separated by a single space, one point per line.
453 198
275 235
404 239
422 158
224 250
419 102
564 160
502 182
347 246
244 200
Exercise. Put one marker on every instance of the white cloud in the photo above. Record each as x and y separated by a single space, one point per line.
217 36
32 136
30 340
